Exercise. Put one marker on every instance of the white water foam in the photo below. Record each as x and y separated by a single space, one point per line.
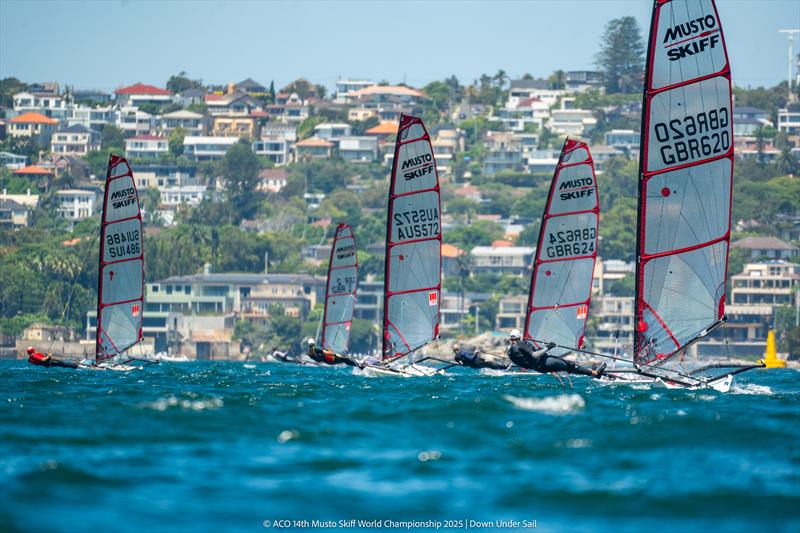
162 404
751 388
563 404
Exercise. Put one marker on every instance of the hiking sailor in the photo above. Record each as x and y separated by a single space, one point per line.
524 354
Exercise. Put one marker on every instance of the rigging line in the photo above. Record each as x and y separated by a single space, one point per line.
75 283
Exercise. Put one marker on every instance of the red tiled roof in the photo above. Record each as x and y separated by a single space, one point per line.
388 127
448 250
273 173
141 88
315 141
33 169
502 244
33 118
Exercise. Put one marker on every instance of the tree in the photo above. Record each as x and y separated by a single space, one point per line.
240 169
181 82
113 137
621 56
176 141
8 88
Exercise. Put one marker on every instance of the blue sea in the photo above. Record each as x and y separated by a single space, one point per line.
223 447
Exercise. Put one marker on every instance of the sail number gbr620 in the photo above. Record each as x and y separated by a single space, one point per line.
569 243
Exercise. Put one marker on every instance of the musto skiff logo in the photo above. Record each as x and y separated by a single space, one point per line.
416 167
123 197
346 251
577 188
417 224
692 37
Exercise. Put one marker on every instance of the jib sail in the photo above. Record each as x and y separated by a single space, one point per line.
340 293
561 282
685 180
120 290
412 283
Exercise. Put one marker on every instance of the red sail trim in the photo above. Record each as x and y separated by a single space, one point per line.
569 147
645 175
406 122
341 227
663 325
411 291
113 162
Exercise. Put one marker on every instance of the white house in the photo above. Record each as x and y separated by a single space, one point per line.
75 204
146 146
48 103
332 131
74 140
133 121
140 93
186 194
514 260
789 120
358 149
190 122
93 118
203 148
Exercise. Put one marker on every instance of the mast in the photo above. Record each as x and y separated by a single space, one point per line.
120 283
561 280
685 180
340 291
413 262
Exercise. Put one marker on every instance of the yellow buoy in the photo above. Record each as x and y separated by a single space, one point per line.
771 359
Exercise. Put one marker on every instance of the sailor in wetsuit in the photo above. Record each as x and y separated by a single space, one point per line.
474 360
40 359
327 357
524 354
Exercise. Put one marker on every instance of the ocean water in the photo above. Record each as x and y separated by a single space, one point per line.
221 447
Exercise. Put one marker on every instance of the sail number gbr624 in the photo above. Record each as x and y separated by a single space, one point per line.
570 243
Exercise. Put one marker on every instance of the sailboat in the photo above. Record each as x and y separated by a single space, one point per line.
413 263
120 279
685 195
561 281
340 291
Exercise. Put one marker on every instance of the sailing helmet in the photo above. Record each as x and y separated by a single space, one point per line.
30 350
515 334
311 342
456 346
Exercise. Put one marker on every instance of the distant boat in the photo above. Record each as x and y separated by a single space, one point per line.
340 291
412 269
561 281
685 189
120 279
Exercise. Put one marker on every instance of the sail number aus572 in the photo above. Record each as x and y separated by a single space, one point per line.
416 224
571 242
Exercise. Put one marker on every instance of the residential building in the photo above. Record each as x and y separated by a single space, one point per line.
359 114
235 103
384 130
75 166
503 152
74 140
33 125
511 312
12 161
276 149
602 153
13 214
540 89
314 148
93 118
140 93
91 97
174 196
789 119
369 301
570 121
513 260
377 96
146 146
584 80
747 120
612 317
41 174
190 122
769 283
295 113
199 148
272 180
608 272
47 102
133 121
238 126
191 97
333 131
251 87
768 247
75 204
625 140
358 149
345 88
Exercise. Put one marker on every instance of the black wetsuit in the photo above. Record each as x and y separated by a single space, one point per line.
525 355
48 361
473 360
329 358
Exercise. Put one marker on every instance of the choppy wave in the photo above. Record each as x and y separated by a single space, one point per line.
564 404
